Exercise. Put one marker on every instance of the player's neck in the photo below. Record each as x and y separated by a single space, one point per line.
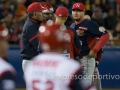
79 20
59 22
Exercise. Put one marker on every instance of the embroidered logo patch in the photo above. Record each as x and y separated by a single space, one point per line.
102 29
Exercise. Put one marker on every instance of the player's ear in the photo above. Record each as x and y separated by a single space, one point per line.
34 14
84 13
66 18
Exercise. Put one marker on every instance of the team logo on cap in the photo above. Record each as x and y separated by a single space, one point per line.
77 5
41 6
60 15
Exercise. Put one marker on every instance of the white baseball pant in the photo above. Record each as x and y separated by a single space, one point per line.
89 67
96 79
24 64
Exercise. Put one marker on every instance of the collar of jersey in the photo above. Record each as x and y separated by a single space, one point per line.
80 22
34 20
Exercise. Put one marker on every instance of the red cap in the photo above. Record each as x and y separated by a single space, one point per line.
52 35
48 7
79 6
62 12
36 7
3 32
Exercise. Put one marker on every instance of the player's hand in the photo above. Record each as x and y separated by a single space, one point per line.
80 32
87 17
91 54
96 63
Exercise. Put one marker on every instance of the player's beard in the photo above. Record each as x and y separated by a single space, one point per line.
77 20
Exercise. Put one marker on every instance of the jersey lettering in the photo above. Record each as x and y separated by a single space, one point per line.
36 85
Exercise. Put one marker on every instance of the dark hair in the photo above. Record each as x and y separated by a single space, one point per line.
88 12
30 14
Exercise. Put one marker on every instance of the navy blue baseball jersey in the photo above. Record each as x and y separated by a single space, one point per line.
88 31
29 41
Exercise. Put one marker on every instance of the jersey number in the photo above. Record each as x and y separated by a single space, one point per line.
49 85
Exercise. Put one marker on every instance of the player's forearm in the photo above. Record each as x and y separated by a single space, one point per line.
102 41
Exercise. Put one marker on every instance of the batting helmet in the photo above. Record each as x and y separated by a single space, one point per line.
48 7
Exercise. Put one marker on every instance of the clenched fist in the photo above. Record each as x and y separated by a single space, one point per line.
80 32
92 54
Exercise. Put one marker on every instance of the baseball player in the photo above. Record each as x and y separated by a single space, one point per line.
87 31
30 43
48 70
48 13
96 78
7 72
72 47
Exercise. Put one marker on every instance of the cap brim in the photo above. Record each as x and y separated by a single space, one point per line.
77 9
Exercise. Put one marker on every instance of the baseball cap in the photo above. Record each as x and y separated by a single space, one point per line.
35 7
52 35
62 12
79 6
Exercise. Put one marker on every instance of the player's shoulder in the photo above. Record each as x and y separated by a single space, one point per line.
70 30
92 23
72 25
55 56
68 64
6 67
30 24
68 67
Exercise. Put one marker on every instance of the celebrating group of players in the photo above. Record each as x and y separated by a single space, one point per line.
50 49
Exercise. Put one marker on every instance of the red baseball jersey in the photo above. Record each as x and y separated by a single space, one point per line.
72 47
